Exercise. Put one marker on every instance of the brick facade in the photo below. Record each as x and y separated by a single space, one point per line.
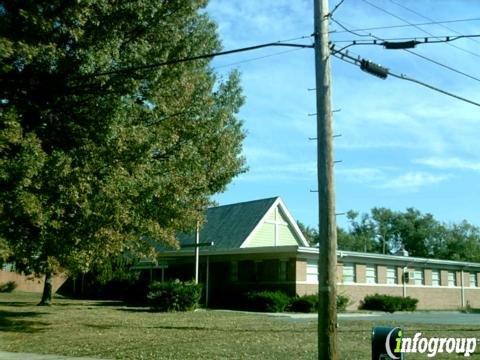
30 283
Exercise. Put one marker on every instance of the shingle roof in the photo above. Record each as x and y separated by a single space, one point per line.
229 225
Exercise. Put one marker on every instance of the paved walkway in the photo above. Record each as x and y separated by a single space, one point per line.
27 356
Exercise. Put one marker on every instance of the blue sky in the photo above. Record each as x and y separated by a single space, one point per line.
402 145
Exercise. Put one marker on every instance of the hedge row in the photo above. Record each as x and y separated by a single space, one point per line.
276 301
389 303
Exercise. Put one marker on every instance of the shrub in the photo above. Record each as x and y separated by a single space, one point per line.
304 304
309 303
388 303
8 287
174 295
267 301
342 302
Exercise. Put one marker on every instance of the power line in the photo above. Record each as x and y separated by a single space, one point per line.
256 58
419 28
407 25
429 19
419 39
335 8
192 58
360 63
411 52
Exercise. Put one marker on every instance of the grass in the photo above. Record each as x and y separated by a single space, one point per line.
112 330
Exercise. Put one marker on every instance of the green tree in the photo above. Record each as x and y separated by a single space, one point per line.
95 154
311 234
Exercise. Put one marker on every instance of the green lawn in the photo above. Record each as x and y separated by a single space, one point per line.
111 330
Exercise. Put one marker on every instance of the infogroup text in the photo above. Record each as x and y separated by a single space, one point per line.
429 346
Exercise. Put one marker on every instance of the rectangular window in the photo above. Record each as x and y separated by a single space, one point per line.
435 277
348 273
452 280
418 277
312 271
391 275
473 280
371 274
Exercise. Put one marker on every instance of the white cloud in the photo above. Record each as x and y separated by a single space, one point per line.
413 181
360 175
449 163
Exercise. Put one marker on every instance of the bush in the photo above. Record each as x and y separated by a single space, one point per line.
174 295
342 302
304 304
309 303
8 287
267 301
388 303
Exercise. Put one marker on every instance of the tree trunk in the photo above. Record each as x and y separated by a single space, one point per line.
47 289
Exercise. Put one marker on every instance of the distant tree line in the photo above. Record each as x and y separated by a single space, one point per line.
385 231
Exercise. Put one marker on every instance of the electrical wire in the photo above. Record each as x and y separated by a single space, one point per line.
330 14
354 61
419 28
413 53
429 19
256 58
420 39
407 25
192 58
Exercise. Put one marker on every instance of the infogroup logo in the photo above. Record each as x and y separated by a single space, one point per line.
429 346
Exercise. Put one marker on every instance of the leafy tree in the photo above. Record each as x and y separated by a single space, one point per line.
310 234
96 151
348 241
362 228
384 231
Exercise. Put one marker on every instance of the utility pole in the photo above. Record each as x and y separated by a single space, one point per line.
327 260
197 251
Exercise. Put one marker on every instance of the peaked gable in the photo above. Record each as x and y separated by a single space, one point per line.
228 226
276 228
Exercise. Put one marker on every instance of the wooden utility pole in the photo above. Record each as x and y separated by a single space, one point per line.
197 251
327 260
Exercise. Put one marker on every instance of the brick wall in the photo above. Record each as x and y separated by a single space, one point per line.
30 283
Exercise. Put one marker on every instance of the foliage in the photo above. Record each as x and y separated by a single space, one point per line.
267 301
96 160
174 295
385 231
342 302
309 303
7 287
388 303
310 234
304 304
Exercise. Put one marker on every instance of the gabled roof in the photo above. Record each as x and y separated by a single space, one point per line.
232 226
229 225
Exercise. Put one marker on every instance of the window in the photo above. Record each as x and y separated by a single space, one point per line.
312 271
418 277
452 281
371 274
391 275
348 273
473 280
435 278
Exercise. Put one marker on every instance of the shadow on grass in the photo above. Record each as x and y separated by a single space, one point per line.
11 321
137 309
18 303
229 330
